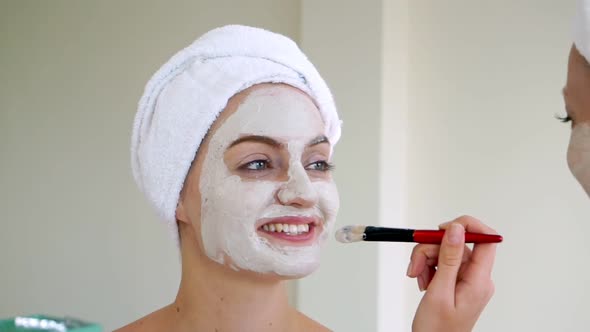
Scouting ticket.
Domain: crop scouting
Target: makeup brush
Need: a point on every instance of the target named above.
(350, 234)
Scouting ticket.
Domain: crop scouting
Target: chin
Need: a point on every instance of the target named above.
(296, 274)
(278, 269)
(270, 264)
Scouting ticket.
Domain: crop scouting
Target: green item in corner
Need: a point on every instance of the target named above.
(47, 324)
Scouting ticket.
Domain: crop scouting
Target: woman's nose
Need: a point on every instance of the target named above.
(298, 191)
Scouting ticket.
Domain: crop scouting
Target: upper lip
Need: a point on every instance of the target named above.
(291, 220)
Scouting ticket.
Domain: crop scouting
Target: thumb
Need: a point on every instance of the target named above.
(449, 259)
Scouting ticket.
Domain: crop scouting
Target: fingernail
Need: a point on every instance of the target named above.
(456, 233)
(421, 283)
(409, 269)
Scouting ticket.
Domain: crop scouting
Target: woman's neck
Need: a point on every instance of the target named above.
(213, 297)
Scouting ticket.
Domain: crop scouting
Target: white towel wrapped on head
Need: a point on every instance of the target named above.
(184, 97)
(582, 28)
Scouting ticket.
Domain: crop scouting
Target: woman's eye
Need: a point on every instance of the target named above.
(565, 119)
(256, 165)
(322, 166)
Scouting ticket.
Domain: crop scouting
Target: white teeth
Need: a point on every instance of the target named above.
(286, 228)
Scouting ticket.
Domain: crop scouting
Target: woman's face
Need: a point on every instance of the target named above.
(577, 101)
(266, 194)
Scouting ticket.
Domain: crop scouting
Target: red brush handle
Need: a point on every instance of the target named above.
(435, 237)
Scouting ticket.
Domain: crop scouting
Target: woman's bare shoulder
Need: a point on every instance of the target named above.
(156, 321)
(163, 320)
(311, 325)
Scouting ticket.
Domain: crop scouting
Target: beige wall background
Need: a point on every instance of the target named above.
(77, 237)
(448, 109)
(485, 84)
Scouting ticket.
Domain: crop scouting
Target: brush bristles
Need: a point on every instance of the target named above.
(350, 234)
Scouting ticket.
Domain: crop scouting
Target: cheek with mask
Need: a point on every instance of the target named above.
(247, 224)
(578, 154)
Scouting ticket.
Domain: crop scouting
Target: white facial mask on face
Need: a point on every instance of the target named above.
(578, 154)
(231, 207)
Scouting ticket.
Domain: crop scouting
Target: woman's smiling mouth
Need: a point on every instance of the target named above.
(293, 229)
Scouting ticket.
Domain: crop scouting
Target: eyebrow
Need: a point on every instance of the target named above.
(274, 143)
(257, 139)
(318, 140)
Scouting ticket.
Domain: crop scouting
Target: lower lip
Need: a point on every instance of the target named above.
(301, 239)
